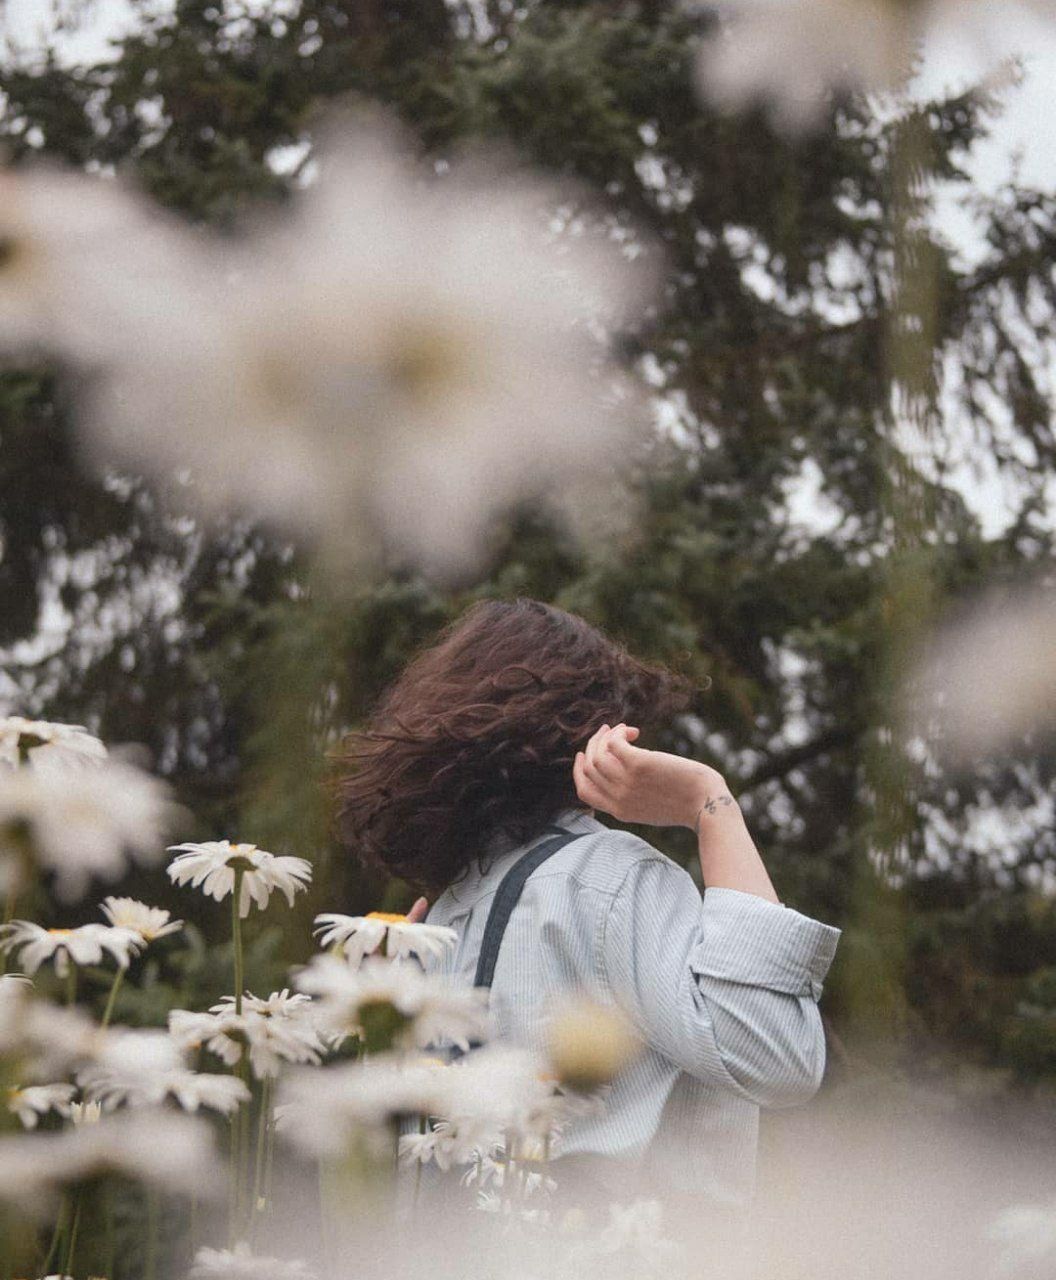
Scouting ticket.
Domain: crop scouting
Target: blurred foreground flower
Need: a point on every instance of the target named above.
(1026, 1236)
(323, 1112)
(172, 1152)
(240, 1263)
(988, 678)
(213, 866)
(393, 1006)
(791, 52)
(34, 1101)
(79, 822)
(25, 741)
(393, 364)
(589, 1044)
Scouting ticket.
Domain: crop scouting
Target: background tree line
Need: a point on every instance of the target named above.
(222, 652)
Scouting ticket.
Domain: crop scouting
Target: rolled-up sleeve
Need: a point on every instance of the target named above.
(726, 987)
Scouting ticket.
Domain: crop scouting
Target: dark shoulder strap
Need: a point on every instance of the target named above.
(507, 896)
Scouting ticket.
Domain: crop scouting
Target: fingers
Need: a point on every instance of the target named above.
(418, 912)
(619, 744)
(600, 764)
(587, 788)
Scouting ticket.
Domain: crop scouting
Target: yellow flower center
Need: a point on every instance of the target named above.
(60, 933)
(390, 917)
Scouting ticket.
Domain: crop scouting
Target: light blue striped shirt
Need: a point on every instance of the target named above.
(723, 991)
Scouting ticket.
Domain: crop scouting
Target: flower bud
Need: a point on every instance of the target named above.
(589, 1044)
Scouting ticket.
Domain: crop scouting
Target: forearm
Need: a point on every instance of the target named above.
(728, 856)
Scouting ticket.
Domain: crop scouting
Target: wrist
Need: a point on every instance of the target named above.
(712, 800)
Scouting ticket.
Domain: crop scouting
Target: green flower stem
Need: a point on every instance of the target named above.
(56, 1236)
(150, 1267)
(418, 1171)
(263, 1126)
(108, 1228)
(269, 1161)
(118, 977)
(232, 1190)
(236, 936)
(71, 1243)
(71, 985)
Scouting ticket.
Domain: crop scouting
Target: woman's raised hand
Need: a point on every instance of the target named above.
(418, 912)
(652, 787)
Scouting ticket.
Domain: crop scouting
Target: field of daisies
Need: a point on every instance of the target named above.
(273, 1133)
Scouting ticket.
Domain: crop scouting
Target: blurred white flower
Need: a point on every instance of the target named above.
(84, 945)
(240, 1263)
(130, 1050)
(211, 866)
(281, 1029)
(395, 937)
(416, 1009)
(321, 1112)
(588, 1044)
(190, 1090)
(502, 1092)
(1026, 1237)
(49, 1039)
(791, 52)
(172, 1152)
(636, 1229)
(397, 333)
(987, 678)
(85, 266)
(150, 923)
(79, 822)
(33, 1101)
(41, 739)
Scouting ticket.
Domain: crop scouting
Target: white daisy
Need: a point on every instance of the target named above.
(32, 741)
(211, 866)
(287, 1034)
(441, 1144)
(359, 936)
(490, 1170)
(85, 1113)
(33, 1101)
(393, 1005)
(280, 1004)
(150, 923)
(81, 822)
(190, 1090)
(84, 945)
(240, 1263)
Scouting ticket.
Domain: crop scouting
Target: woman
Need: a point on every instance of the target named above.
(523, 719)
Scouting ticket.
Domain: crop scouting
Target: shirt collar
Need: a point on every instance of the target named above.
(500, 854)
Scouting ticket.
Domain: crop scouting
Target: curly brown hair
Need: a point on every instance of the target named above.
(478, 735)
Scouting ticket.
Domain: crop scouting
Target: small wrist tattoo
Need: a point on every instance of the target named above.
(710, 806)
